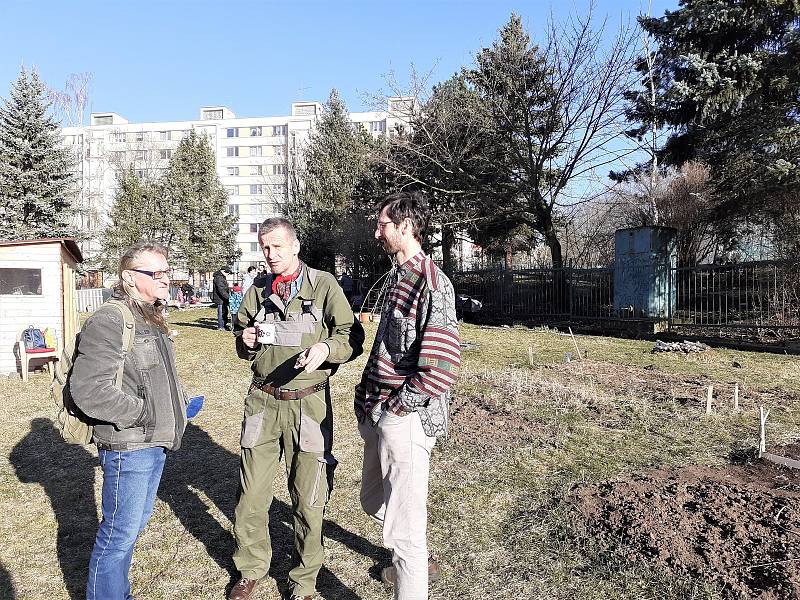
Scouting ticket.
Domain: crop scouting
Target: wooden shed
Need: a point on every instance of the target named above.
(37, 287)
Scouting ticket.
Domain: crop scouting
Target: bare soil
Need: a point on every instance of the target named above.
(738, 526)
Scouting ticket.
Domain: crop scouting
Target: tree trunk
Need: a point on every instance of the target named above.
(448, 260)
(551, 240)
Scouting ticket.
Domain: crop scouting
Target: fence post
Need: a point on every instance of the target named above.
(570, 286)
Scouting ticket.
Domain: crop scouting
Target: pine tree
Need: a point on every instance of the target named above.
(140, 212)
(205, 234)
(36, 177)
(728, 83)
(336, 165)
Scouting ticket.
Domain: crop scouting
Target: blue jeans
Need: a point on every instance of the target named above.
(222, 314)
(130, 483)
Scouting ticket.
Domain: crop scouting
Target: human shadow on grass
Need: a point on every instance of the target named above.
(66, 472)
(6, 585)
(204, 465)
(202, 323)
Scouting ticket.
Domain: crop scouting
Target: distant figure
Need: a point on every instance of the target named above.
(247, 281)
(138, 423)
(220, 295)
(402, 401)
(235, 302)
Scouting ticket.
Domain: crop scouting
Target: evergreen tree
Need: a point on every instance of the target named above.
(197, 204)
(728, 82)
(324, 205)
(36, 178)
(140, 212)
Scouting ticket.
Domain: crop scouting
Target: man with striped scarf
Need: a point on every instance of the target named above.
(403, 398)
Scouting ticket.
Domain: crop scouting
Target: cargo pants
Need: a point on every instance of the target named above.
(301, 431)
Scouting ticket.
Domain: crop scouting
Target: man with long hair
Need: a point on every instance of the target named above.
(135, 423)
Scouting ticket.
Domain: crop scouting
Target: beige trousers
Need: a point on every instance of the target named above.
(394, 491)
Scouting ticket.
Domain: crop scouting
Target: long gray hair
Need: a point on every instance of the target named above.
(152, 313)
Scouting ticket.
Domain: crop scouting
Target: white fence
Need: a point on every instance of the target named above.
(88, 300)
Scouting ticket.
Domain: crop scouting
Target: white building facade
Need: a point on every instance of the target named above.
(254, 156)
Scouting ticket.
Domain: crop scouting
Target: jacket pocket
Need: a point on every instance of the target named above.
(145, 353)
(251, 430)
(149, 426)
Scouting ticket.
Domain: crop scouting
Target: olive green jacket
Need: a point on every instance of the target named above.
(319, 312)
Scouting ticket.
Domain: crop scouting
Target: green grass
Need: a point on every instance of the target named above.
(536, 429)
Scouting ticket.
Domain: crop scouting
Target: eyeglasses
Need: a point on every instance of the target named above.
(382, 224)
(153, 274)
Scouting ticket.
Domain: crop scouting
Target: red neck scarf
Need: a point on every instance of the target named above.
(282, 284)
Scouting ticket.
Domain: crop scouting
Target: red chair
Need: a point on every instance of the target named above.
(28, 354)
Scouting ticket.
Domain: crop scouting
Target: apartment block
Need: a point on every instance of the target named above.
(254, 157)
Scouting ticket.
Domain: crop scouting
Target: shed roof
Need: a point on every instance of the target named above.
(69, 244)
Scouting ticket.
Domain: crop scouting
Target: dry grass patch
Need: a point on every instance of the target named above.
(522, 436)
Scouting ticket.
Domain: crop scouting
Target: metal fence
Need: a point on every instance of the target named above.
(537, 293)
(762, 294)
(706, 299)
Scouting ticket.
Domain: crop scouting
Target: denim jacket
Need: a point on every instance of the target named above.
(150, 409)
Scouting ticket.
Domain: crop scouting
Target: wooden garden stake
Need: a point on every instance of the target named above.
(709, 396)
(736, 397)
(577, 351)
(530, 355)
(762, 441)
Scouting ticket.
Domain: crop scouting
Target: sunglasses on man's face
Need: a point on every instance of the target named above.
(153, 274)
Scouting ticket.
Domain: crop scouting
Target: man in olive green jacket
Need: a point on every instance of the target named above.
(295, 327)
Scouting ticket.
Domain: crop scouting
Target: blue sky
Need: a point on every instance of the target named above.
(158, 61)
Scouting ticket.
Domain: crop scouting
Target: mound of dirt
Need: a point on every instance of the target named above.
(737, 525)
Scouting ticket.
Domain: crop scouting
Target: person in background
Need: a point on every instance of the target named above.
(247, 281)
(402, 401)
(135, 425)
(235, 301)
(220, 294)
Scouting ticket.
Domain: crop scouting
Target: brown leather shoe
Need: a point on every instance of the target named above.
(243, 589)
(389, 574)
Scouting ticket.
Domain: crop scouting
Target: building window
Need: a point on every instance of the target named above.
(256, 189)
(165, 154)
(256, 150)
(279, 129)
(140, 155)
(104, 120)
(141, 173)
(232, 151)
(377, 126)
(118, 136)
(233, 190)
(232, 132)
(279, 151)
(233, 209)
(233, 171)
(254, 247)
(279, 169)
(256, 170)
(163, 136)
(212, 115)
(254, 228)
(255, 132)
(21, 282)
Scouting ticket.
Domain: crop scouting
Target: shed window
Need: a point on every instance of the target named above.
(21, 282)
